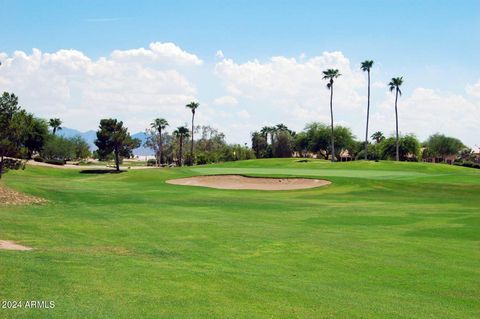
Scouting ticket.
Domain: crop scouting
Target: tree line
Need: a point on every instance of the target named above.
(211, 147)
(316, 141)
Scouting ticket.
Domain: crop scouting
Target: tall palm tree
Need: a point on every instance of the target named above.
(378, 137)
(159, 124)
(394, 85)
(181, 133)
(266, 131)
(192, 106)
(55, 124)
(330, 75)
(366, 66)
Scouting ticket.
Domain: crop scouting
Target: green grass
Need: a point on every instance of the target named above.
(384, 240)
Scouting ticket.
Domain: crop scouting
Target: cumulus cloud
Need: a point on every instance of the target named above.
(158, 52)
(139, 84)
(292, 91)
(427, 111)
(70, 85)
(474, 90)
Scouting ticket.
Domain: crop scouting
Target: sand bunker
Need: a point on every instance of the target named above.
(10, 245)
(11, 197)
(243, 182)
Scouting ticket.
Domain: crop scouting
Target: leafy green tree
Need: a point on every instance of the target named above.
(10, 127)
(366, 66)
(409, 148)
(301, 143)
(192, 106)
(159, 124)
(35, 133)
(259, 144)
(58, 148)
(81, 148)
(181, 133)
(113, 137)
(442, 146)
(55, 124)
(330, 75)
(394, 85)
(344, 140)
(283, 146)
(318, 136)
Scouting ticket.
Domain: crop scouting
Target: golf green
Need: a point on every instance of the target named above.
(384, 240)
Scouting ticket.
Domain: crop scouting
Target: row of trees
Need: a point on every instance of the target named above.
(23, 135)
(331, 74)
(317, 138)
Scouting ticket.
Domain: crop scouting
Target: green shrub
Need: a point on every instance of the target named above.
(55, 161)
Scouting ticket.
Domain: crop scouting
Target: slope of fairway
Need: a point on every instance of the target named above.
(384, 240)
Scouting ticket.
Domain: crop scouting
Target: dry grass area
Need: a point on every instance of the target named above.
(11, 197)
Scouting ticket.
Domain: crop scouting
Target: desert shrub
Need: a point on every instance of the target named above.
(151, 162)
(55, 161)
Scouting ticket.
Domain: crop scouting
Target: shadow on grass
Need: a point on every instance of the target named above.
(101, 171)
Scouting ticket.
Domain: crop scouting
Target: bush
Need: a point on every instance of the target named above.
(467, 164)
(39, 159)
(55, 162)
(151, 162)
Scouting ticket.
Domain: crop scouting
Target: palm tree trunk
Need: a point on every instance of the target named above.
(368, 114)
(181, 150)
(191, 147)
(397, 153)
(331, 118)
(54, 130)
(160, 145)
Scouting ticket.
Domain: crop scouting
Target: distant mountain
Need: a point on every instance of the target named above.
(142, 151)
(90, 136)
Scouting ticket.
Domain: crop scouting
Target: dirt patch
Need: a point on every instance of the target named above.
(11, 197)
(243, 182)
(10, 245)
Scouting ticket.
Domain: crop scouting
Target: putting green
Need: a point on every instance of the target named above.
(384, 240)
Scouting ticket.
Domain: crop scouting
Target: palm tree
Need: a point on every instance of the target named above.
(55, 124)
(181, 132)
(395, 84)
(378, 137)
(366, 66)
(329, 75)
(192, 106)
(159, 124)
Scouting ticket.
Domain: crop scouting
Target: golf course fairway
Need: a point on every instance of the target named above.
(383, 240)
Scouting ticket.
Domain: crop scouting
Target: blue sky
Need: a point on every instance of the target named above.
(433, 44)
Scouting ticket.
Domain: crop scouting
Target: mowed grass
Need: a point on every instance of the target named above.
(384, 240)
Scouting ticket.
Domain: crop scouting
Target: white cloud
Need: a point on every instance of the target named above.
(225, 100)
(428, 111)
(140, 84)
(219, 54)
(158, 52)
(243, 114)
(474, 90)
(290, 90)
(70, 85)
